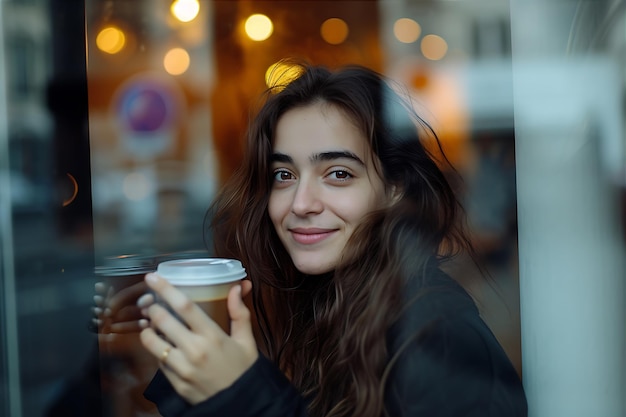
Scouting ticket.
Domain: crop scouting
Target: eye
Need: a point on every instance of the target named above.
(283, 176)
(340, 175)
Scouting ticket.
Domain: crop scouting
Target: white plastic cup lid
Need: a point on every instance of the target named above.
(201, 271)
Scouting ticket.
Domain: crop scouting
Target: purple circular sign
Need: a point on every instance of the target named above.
(145, 107)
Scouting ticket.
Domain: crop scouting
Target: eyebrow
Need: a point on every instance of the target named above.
(318, 157)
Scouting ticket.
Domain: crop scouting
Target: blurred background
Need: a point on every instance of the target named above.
(119, 120)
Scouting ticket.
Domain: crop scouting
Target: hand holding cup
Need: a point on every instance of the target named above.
(196, 354)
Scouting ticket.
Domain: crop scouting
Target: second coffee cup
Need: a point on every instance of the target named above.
(206, 281)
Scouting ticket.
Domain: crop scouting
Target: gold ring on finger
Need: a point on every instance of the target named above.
(165, 354)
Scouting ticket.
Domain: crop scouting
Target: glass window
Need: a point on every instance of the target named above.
(120, 119)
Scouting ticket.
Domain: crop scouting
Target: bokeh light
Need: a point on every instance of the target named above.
(137, 186)
(176, 61)
(407, 30)
(334, 31)
(259, 27)
(434, 47)
(111, 40)
(185, 10)
(280, 74)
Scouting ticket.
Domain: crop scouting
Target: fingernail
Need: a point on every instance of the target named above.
(97, 311)
(107, 312)
(152, 277)
(98, 299)
(145, 300)
(144, 324)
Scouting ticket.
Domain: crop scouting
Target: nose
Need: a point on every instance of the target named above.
(307, 199)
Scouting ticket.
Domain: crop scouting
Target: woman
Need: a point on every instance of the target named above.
(342, 218)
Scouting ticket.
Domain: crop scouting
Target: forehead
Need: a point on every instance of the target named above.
(319, 126)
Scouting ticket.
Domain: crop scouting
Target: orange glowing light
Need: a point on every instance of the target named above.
(334, 31)
(110, 40)
(406, 30)
(434, 47)
(74, 193)
(259, 27)
(185, 10)
(176, 61)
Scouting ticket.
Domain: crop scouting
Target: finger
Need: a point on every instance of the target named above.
(100, 310)
(126, 327)
(145, 300)
(169, 326)
(246, 287)
(127, 296)
(172, 360)
(128, 313)
(240, 326)
(187, 310)
(159, 348)
(99, 301)
(101, 288)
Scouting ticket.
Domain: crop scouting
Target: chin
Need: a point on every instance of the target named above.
(314, 268)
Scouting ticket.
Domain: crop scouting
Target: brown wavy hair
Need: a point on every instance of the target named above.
(328, 334)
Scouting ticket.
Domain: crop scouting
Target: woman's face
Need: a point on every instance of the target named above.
(324, 183)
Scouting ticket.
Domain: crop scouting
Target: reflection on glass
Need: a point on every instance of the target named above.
(132, 166)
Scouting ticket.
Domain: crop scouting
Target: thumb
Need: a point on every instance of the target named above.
(240, 326)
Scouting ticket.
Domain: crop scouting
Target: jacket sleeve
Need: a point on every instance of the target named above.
(262, 391)
(454, 367)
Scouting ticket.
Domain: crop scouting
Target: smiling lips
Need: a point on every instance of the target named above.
(311, 235)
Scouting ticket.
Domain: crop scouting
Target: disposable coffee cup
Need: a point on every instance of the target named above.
(126, 368)
(123, 277)
(123, 271)
(206, 281)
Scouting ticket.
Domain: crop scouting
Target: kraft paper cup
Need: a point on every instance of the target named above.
(206, 281)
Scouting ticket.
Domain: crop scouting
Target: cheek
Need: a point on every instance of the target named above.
(274, 210)
(364, 205)
(354, 209)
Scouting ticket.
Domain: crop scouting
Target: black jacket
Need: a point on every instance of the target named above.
(449, 365)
